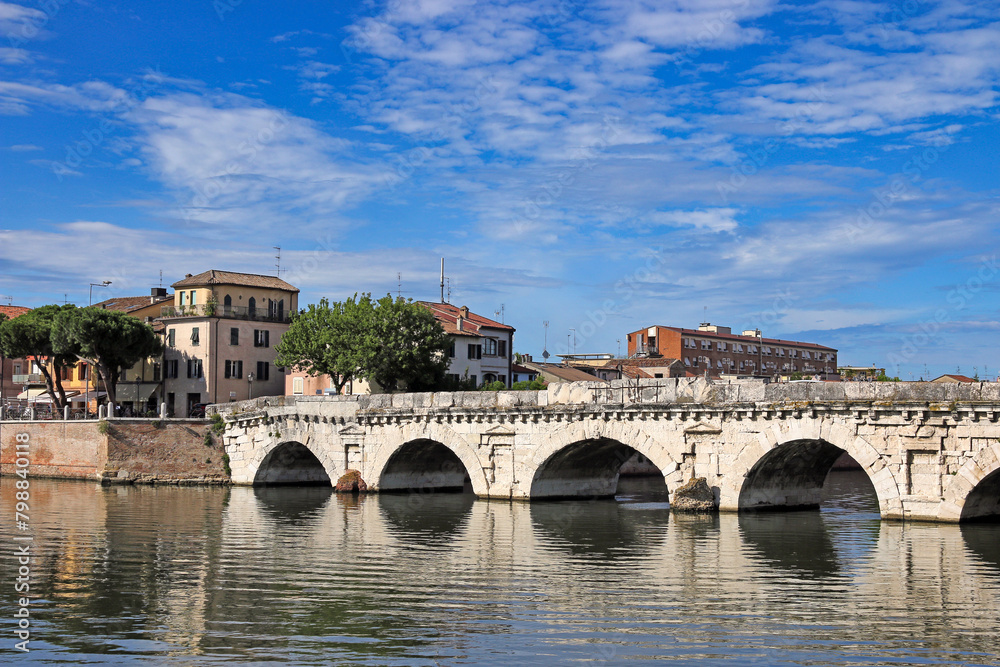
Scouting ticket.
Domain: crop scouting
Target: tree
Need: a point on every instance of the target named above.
(108, 340)
(323, 340)
(389, 342)
(30, 335)
(405, 346)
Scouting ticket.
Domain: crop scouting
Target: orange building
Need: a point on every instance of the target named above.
(717, 350)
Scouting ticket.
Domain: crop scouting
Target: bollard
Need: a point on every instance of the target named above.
(163, 410)
(31, 413)
(65, 413)
(100, 412)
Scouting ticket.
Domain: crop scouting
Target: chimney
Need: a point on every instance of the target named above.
(464, 310)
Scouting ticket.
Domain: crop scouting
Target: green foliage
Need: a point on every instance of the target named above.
(218, 424)
(392, 343)
(156, 423)
(108, 339)
(209, 442)
(103, 427)
(493, 386)
(225, 465)
(31, 335)
(795, 376)
(882, 377)
(526, 385)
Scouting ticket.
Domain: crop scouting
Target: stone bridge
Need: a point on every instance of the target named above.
(931, 451)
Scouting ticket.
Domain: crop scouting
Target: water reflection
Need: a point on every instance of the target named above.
(430, 518)
(197, 576)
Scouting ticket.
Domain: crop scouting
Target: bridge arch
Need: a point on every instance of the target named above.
(290, 462)
(788, 465)
(584, 459)
(974, 492)
(427, 456)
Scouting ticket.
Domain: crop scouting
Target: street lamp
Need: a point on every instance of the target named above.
(93, 285)
(250, 379)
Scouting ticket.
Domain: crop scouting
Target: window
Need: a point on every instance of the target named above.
(706, 345)
(490, 346)
(475, 351)
(170, 369)
(720, 346)
(182, 297)
(252, 307)
(156, 372)
(194, 298)
(170, 337)
(263, 370)
(451, 350)
(234, 336)
(194, 369)
(298, 385)
(502, 348)
(739, 348)
(718, 364)
(687, 361)
(657, 375)
(234, 369)
(195, 339)
(261, 338)
(502, 378)
(227, 303)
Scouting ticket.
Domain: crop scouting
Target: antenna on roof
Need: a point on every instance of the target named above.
(161, 277)
(448, 280)
(277, 260)
(10, 299)
(499, 313)
(399, 285)
(442, 280)
(545, 345)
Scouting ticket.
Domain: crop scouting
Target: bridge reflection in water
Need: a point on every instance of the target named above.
(305, 575)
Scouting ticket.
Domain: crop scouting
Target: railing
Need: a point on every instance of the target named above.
(30, 378)
(232, 312)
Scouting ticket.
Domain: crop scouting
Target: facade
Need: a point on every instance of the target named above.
(560, 372)
(481, 349)
(140, 387)
(953, 378)
(10, 386)
(715, 350)
(220, 333)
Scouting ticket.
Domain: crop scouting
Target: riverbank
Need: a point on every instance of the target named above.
(119, 451)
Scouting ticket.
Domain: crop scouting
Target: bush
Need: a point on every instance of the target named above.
(525, 385)
(493, 386)
(103, 427)
(218, 424)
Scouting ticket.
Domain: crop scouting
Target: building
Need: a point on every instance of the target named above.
(481, 351)
(10, 386)
(220, 332)
(953, 378)
(560, 372)
(607, 367)
(481, 348)
(140, 388)
(860, 373)
(716, 350)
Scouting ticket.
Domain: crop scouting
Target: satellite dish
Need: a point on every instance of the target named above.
(545, 354)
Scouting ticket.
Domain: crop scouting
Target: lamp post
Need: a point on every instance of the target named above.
(250, 379)
(92, 286)
(136, 410)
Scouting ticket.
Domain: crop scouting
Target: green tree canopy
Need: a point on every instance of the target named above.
(109, 340)
(392, 343)
(30, 335)
(322, 340)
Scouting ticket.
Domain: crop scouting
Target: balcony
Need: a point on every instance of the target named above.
(230, 312)
(32, 378)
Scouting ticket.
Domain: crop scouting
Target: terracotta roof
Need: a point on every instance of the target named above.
(127, 304)
(13, 311)
(742, 339)
(633, 372)
(564, 373)
(214, 277)
(954, 378)
(518, 368)
(472, 324)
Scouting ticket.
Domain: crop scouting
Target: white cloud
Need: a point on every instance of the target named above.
(712, 220)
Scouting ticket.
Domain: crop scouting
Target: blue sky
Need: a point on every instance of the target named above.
(825, 171)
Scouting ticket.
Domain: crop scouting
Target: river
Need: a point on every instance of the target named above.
(200, 576)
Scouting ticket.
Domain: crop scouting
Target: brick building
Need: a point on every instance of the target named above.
(717, 351)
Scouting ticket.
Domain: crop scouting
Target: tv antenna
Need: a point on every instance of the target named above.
(399, 284)
(545, 345)
(10, 299)
(161, 277)
(277, 260)
(499, 313)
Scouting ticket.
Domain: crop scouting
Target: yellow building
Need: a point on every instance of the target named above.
(220, 335)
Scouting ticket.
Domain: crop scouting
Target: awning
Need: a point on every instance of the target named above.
(125, 392)
(80, 398)
(32, 393)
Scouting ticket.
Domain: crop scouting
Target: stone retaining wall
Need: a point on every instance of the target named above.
(171, 451)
